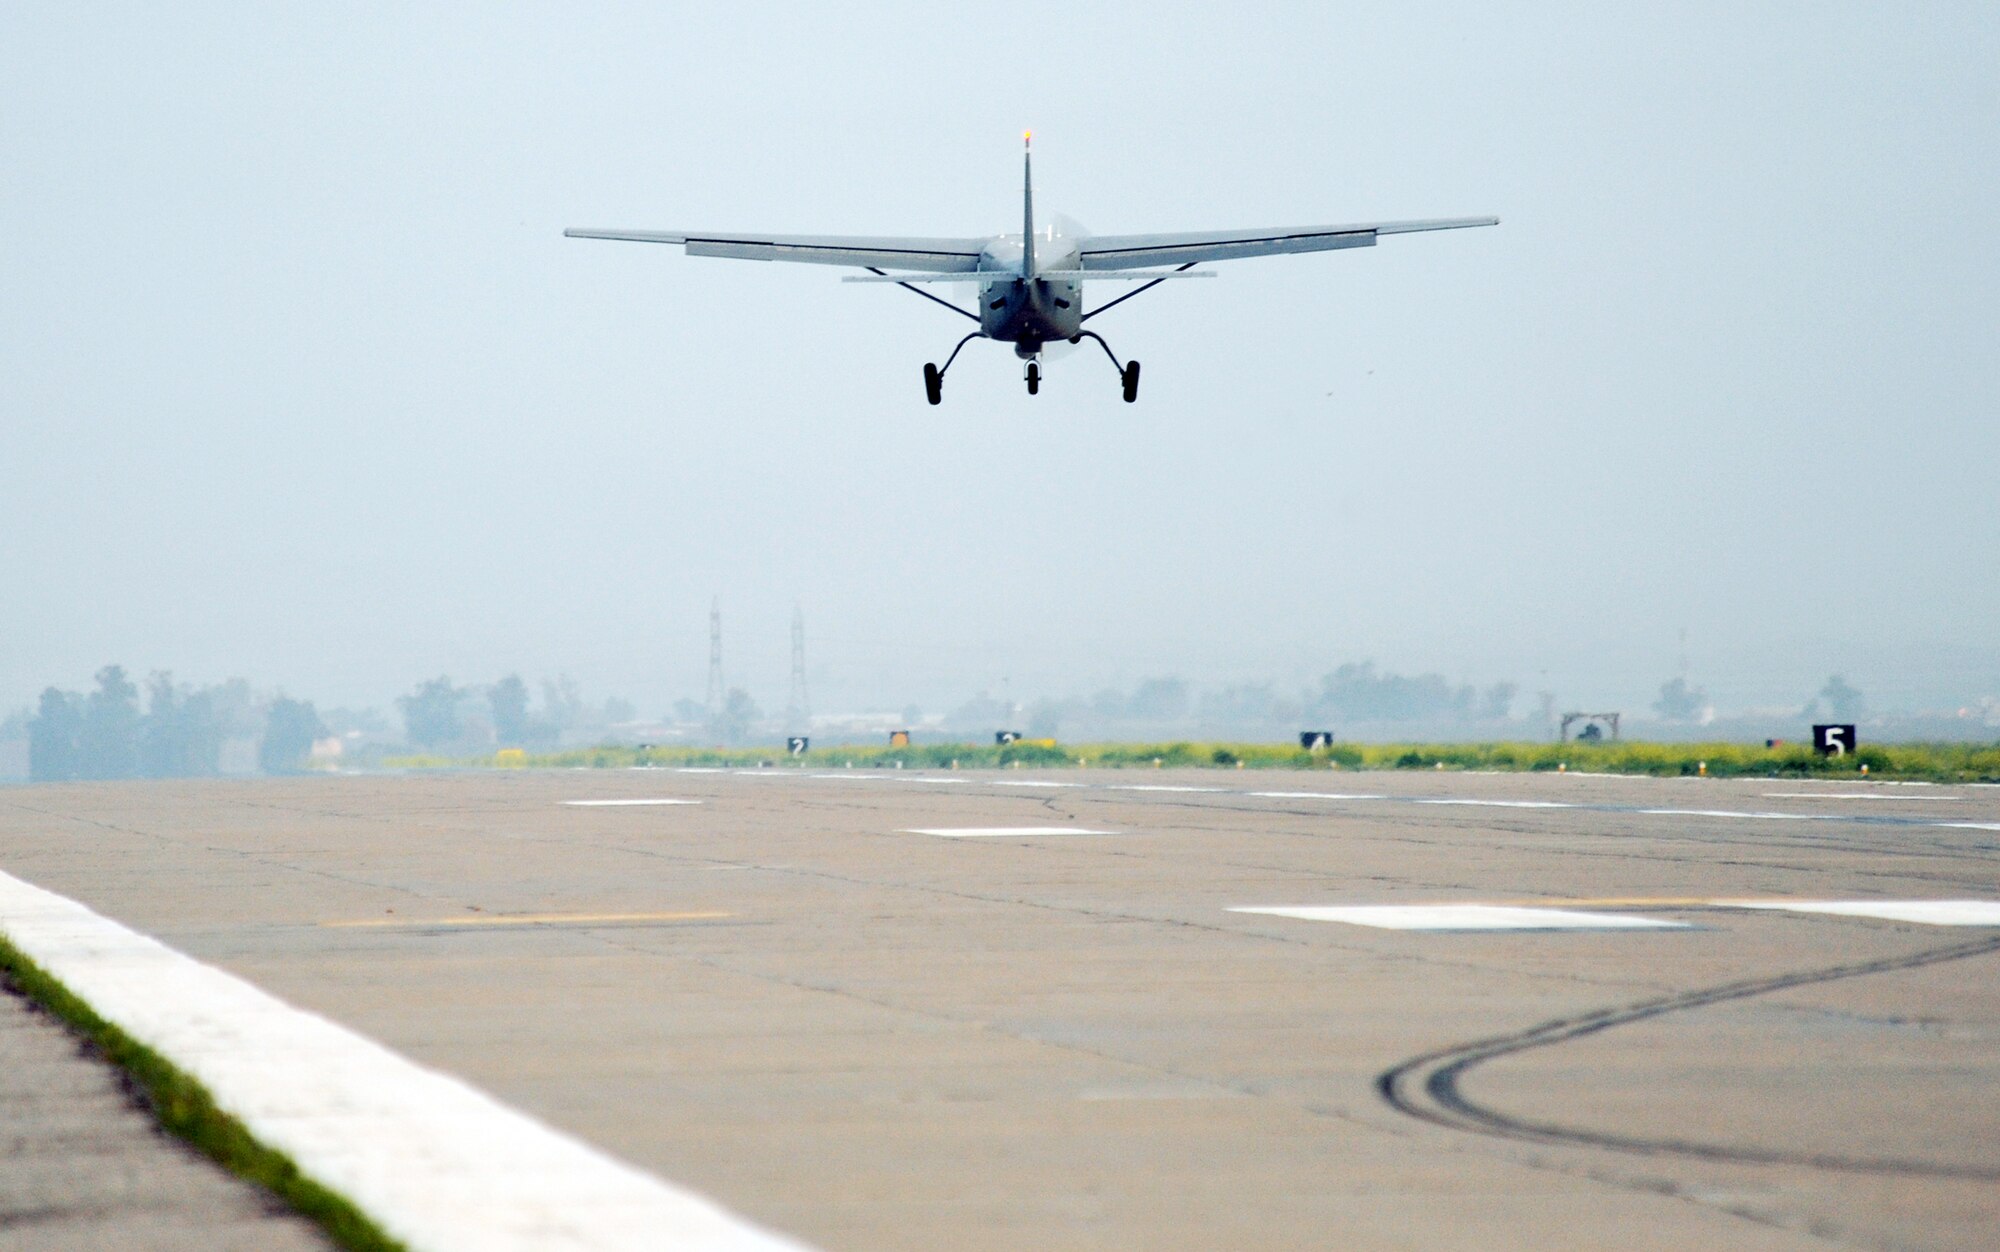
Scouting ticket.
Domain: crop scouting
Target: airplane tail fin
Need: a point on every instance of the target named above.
(1027, 205)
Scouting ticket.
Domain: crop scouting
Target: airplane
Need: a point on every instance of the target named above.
(1031, 284)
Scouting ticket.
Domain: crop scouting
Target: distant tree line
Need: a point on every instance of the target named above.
(1356, 693)
(104, 733)
(1353, 693)
(441, 715)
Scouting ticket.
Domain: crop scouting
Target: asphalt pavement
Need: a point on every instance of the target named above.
(893, 1009)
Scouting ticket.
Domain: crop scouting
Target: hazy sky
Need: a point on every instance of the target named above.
(301, 382)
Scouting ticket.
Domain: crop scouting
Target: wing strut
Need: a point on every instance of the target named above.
(1122, 299)
(946, 303)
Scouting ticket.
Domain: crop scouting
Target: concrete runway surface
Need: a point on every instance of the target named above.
(784, 997)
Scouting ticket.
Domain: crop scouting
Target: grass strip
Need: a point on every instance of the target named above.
(186, 1109)
(1931, 762)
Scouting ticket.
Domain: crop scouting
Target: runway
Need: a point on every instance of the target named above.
(1161, 1009)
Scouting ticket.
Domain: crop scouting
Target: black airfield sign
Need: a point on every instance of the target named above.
(1834, 739)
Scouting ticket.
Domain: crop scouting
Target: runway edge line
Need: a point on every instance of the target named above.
(435, 1162)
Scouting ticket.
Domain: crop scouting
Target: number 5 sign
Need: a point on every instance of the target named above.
(1834, 740)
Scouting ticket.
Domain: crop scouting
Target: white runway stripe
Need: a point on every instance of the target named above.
(1853, 795)
(1312, 795)
(999, 832)
(1501, 804)
(1465, 917)
(1034, 782)
(622, 804)
(1155, 787)
(436, 1162)
(1922, 912)
(1769, 817)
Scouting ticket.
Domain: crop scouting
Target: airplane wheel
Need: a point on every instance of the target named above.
(933, 383)
(1034, 378)
(1131, 380)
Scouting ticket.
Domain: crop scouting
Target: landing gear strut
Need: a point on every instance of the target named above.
(934, 375)
(1128, 371)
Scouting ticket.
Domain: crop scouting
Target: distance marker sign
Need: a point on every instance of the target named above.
(1834, 739)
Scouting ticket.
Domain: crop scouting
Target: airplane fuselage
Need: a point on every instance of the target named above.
(1030, 311)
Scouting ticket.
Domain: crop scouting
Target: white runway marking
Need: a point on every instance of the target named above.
(1465, 917)
(1772, 817)
(1312, 795)
(999, 832)
(436, 1162)
(621, 804)
(1922, 912)
(1849, 795)
(1146, 787)
(1967, 825)
(1029, 782)
(1503, 804)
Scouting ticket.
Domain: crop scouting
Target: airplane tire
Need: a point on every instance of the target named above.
(1131, 380)
(1034, 378)
(933, 384)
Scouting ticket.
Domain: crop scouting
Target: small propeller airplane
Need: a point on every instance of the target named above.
(1031, 284)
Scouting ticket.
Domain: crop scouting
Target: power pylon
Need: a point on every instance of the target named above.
(717, 693)
(798, 709)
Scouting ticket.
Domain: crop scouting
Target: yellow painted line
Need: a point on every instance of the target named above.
(528, 919)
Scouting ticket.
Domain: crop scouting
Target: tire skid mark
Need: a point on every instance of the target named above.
(1426, 1087)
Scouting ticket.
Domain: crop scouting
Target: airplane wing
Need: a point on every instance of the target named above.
(1120, 252)
(883, 252)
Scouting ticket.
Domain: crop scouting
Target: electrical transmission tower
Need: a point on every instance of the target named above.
(717, 694)
(798, 709)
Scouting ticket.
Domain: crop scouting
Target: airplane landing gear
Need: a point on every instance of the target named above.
(934, 374)
(1128, 371)
(1034, 374)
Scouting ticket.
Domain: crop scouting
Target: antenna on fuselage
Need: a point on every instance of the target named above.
(1027, 204)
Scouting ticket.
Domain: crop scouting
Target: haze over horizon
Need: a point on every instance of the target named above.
(302, 382)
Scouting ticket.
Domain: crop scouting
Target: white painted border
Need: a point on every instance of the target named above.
(1918, 912)
(434, 1161)
(1464, 917)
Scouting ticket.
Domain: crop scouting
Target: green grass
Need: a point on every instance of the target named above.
(1935, 762)
(185, 1108)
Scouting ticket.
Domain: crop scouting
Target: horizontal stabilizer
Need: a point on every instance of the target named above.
(1122, 276)
(963, 276)
(1067, 276)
